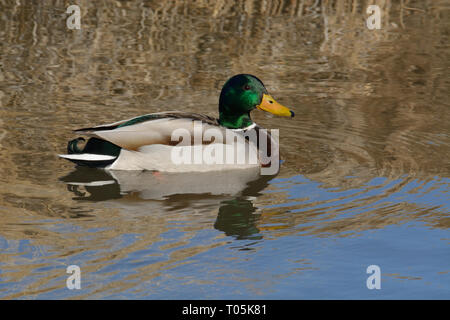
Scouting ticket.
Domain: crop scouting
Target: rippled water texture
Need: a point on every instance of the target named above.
(365, 174)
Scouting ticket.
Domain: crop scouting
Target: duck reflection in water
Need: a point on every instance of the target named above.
(233, 192)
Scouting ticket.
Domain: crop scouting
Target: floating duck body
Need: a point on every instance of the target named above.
(177, 141)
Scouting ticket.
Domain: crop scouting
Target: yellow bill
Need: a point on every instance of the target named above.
(270, 105)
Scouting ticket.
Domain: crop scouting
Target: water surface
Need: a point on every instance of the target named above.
(365, 173)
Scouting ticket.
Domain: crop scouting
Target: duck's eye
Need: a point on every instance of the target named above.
(246, 87)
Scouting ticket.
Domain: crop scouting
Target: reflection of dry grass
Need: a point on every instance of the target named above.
(117, 58)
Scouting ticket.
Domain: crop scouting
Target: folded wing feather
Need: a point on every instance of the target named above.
(156, 128)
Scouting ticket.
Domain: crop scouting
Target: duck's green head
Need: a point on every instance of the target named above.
(241, 94)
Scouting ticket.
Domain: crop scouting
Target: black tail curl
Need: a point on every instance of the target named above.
(72, 146)
(93, 146)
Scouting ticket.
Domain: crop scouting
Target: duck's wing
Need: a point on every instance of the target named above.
(154, 128)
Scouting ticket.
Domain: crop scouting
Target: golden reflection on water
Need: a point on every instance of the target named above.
(369, 104)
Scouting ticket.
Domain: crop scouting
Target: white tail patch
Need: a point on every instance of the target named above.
(93, 183)
(87, 157)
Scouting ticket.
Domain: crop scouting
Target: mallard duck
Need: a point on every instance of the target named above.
(147, 142)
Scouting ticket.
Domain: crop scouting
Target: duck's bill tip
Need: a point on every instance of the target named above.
(269, 104)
